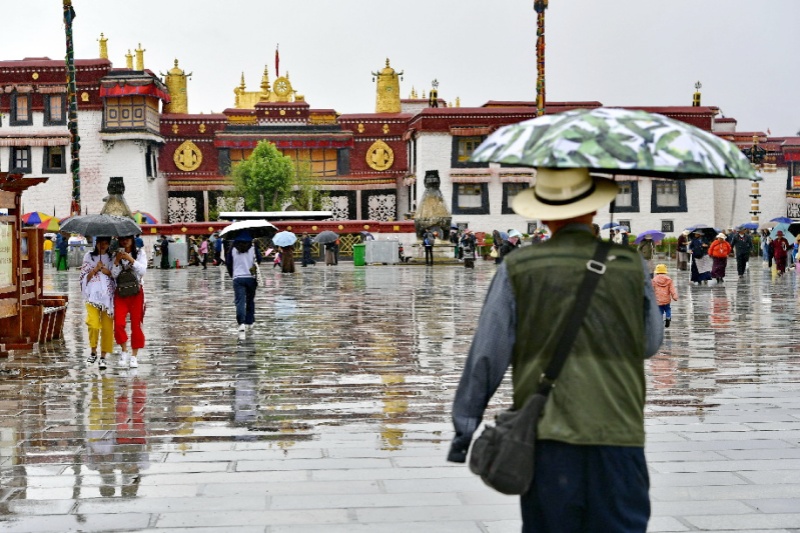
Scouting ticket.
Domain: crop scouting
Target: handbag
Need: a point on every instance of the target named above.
(494, 253)
(503, 455)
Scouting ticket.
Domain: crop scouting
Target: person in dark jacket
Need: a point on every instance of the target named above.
(62, 247)
(164, 249)
(307, 244)
(590, 466)
(742, 247)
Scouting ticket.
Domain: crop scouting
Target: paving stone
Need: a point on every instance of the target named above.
(334, 414)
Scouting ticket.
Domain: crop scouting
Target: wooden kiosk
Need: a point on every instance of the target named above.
(27, 316)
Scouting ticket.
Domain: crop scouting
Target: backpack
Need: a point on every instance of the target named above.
(127, 283)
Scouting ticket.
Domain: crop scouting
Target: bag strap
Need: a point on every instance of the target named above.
(595, 268)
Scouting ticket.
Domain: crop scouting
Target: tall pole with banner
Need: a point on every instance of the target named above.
(539, 6)
(72, 99)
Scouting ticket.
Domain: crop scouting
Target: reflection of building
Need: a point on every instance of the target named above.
(175, 163)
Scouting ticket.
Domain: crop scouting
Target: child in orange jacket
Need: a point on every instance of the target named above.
(665, 292)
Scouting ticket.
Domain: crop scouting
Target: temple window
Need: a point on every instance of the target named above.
(21, 109)
(462, 150)
(510, 190)
(668, 196)
(321, 162)
(54, 110)
(627, 199)
(20, 160)
(131, 112)
(54, 160)
(238, 155)
(470, 199)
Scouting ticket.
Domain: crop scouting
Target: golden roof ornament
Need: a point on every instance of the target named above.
(140, 57)
(387, 91)
(103, 46)
(175, 80)
(129, 60)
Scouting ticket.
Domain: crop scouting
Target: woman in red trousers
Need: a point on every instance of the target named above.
(128, 257)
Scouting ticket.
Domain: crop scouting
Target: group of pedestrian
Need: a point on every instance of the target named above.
(111, 284)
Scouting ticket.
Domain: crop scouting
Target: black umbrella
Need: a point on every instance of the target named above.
(101, 226)
(325, 237)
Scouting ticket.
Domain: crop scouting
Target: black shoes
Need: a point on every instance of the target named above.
(666, 322)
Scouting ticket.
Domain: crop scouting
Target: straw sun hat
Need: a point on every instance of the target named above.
(564, 193)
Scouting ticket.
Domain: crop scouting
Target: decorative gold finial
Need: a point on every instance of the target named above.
(103, 47)
(242, 86)
(458, 101)
(387, 98)
(413, 95)
(129, 60)
(140, 57)
(696, 95)
(265, 89)
(176, 83)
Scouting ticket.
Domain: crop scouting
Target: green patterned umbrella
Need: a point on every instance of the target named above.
(616, 141)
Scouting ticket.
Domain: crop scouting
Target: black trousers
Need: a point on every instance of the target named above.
(429, 254)
(741, 263)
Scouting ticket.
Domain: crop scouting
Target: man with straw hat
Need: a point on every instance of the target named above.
(590, 468)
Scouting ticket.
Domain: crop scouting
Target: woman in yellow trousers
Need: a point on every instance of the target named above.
(98, 288)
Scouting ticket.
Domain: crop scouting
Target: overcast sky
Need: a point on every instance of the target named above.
(620, 52)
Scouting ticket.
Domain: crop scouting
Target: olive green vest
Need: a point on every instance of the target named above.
(599, 396)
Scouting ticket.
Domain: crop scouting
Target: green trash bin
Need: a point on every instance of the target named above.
(359, 254)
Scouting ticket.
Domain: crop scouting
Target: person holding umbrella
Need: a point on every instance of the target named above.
(62, 247)
(719, 251)
(780, 251)
(242, 268)
(129, 259)
(98, 288)
(648, 250)
(701, 263)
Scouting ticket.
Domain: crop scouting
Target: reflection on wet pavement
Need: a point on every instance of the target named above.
(333, 414)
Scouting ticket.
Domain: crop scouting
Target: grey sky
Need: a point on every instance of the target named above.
(620, 52)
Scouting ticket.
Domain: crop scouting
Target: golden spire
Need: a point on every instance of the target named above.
(242, 86)
(458, 101)
(387, 98)
(696, 95)
(175, 81)
(140, 57)
(265, 87)
(413, 95)
(103, 46)
(129, 60)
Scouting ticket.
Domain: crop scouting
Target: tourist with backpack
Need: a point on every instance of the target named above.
(130, 265)
(241, 263)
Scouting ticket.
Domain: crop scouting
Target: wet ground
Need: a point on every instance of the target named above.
(333, 414)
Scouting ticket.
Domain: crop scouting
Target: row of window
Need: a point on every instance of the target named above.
(666, 196)
(55, 112)
(473, 198)
(54, 161)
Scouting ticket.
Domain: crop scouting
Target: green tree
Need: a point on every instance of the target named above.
(306, 196)
(266, 179)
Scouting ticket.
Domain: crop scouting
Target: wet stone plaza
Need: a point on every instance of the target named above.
(332, 415)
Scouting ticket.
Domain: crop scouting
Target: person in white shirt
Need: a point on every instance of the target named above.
(242, 268)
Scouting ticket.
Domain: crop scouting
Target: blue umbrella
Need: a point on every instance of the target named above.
(284, 238)
(610, 225)
(782, 220)
(784, 227)
(504, 235)
(749, 225)
(654, 233)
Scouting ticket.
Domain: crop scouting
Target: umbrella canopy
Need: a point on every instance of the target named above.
(101, 226)
(140, 217)
(654, 233)
(284, 238)
(49, 225)
(784, 227)
(698, 227)
(616, 141)
(514, 233)
(35, 217)
(749, 225)
(610, 225)
(256, 228)
(367, 236)
(782, 220)
(326, 236)
(767, 225)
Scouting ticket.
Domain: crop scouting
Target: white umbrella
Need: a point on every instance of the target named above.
(256, 228)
